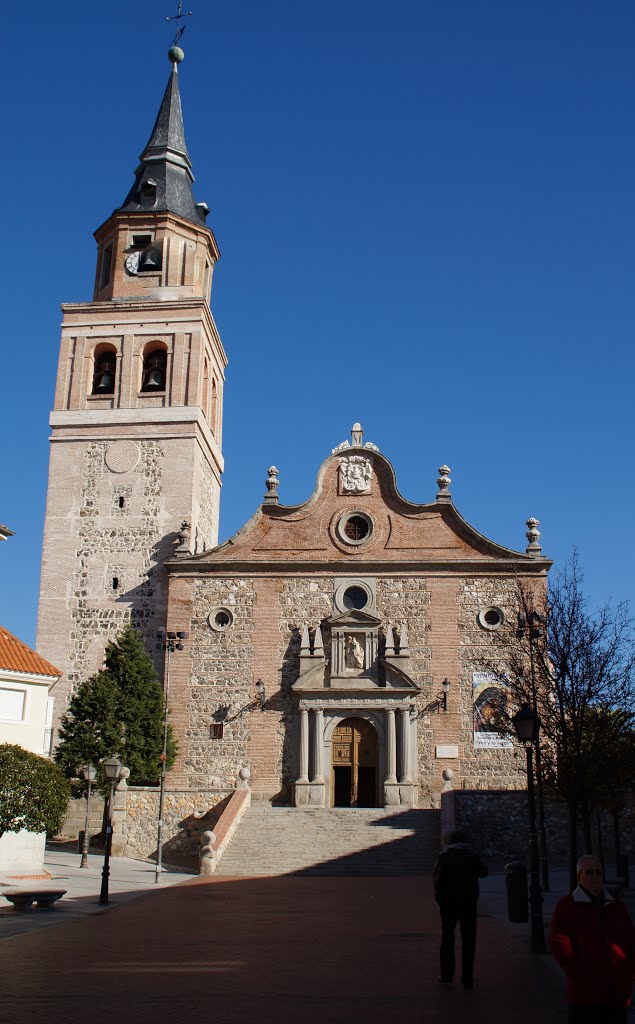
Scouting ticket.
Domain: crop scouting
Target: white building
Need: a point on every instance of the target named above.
(25, 706)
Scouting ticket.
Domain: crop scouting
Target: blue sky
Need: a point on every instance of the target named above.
(425, 214)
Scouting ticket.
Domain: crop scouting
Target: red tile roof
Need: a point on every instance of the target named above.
(17, 657)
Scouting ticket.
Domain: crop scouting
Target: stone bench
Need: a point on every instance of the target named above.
(23, 899)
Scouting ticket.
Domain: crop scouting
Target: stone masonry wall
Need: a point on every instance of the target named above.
(181, 828)
(109, 526)
(498, 826)
(493, 768)
(206, 501)
(446, 640)
(221, 682)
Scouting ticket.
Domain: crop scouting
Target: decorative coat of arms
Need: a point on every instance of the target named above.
(355, 474)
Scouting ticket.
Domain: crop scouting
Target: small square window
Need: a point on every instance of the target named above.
(12, 705)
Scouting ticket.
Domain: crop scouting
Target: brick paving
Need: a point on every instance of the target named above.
(282, 949)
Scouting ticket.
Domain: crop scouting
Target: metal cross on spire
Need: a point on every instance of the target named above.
(180, 29)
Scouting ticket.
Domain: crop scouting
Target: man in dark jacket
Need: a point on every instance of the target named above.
(455, 875)
(593, 940)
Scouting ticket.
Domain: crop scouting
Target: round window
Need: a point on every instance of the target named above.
(220, 619)
(355, 528)
(491, 618)
(355, 597)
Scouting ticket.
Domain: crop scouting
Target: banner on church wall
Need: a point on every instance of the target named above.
(489, 696)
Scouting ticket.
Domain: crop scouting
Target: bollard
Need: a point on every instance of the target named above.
(517, 898)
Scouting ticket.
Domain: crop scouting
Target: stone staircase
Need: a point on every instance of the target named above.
(338, 841)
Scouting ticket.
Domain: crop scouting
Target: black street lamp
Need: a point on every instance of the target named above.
(533, 622)
(527, 726)
(170, 642)
(90, 773)
(112, 770)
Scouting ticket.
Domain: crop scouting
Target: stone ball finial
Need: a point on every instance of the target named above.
(207, 853)
(175, 54)
(533, 536)
(244, 775)
(448, 774)
(443, 482)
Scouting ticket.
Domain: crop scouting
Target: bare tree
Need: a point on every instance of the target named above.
(576, 665)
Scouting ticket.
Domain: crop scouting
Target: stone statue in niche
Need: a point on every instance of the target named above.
(354, 653)
(355, 474)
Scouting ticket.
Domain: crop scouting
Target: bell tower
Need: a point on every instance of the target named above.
(136, 428)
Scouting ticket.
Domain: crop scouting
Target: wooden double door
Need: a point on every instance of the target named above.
(355, 764)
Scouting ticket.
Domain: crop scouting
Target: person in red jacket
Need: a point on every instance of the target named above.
(593, 940)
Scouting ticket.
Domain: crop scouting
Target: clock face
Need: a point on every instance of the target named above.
(132, 262)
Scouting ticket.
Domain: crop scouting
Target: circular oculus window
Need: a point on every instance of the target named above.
(355, 528)
(355, 598)
(220, 619)
(491, 618)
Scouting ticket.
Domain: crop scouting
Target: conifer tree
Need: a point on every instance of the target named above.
(119, 710)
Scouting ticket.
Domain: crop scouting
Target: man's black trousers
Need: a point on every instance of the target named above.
(465, 916)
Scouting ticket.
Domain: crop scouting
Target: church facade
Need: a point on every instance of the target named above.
(334, 648)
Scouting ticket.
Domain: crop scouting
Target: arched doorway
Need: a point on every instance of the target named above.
(354, 762)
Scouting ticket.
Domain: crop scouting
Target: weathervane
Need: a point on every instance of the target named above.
(180, 29)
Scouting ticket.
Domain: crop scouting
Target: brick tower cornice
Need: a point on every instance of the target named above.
(145, 316)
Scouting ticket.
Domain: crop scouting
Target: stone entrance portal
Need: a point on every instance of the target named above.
(354, 764)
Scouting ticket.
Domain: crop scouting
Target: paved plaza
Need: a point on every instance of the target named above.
(259, 950)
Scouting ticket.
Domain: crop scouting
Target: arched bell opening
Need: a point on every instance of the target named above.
(355, 764)
(154, 369)
(104, 370)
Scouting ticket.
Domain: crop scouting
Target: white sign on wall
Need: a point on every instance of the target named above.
(447, 750)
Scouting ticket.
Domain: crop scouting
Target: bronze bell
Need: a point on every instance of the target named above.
(105, 376)
(155, 373)
(148, 260)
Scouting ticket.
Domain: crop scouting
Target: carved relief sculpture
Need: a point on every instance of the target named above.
(354, 657)
(355, 474)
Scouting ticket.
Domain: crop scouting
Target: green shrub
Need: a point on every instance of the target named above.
(33, 791)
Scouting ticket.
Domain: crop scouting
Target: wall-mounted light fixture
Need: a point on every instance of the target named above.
(262, 693)
(259, 702)
(440, 702)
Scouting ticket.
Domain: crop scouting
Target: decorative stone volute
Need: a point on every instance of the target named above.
(443, 481)
(272, 482)
(533, 536)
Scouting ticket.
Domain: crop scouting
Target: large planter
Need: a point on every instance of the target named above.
(22, 853)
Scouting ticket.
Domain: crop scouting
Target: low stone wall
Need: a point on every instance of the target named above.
(135, 817)
(75, 820)
(186, 814)
(497, 821)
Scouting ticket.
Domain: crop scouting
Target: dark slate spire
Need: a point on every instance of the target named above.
(164, 176)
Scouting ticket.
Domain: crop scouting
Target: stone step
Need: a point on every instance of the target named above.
(373, 841)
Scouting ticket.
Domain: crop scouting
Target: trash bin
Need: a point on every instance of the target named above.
(517, 898)
(80, 841)
(622, 868)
